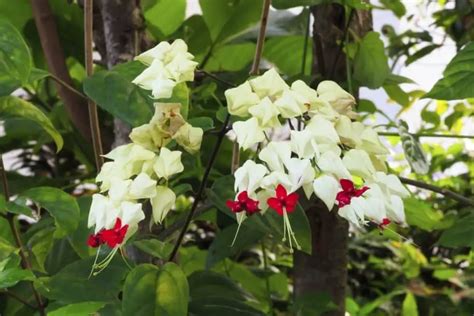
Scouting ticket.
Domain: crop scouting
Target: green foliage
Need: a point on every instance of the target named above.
(79, 309)
(458, 77)
(150, 290)
(460, 234)
(163, 17)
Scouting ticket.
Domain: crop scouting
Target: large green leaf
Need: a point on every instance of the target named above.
(73, 285)
(286, 52)
(370, 62)
(458, 77)
(6, 248)
(79, 236)
(60, 205)
(409, 307)
(78, 309)
(149, 290)
(10, 277)
(15, 58)
(154, 247)
(421, 214)
(286, 4)
(40, 244)
(163, 17)
(212, 306)
(226, 19)
(232, 57)
(460, 234)
(114, 91)
(11, 106)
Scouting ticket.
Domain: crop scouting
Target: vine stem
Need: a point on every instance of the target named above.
(67, 86)
(93, 115)
(265, 270)
(16, 235)
(198, 196)
(19, 299)
(448, 193)
(305, 43)
(428, 135)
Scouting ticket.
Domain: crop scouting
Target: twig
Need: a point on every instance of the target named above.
(198, 196)
(16, 235)
(19, 299)
(216, 78)
(93, 115)
(305, 44)
(342, 43)
(67, 86)
(265, 270)
(448, 193)
(261, 38)
(428, 135)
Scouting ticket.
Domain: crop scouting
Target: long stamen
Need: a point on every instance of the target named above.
(95, 262)
(236, 234)
(291, 234)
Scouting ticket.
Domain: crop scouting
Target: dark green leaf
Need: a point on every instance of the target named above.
(232, 57)
(397, 94)
(40, 244)
(370, 62)
(149, 290)
(212, 306)
(204, 122)
(460, 234)
(114, 91)
(79, 237)
(60, 205)
(18, 206)
(286, 53)
(396, 79)
(421, 53)
(154, 247)
(396, 6)
(313, 304)
(6, 248)
(286, 4)
(11, 106)
(78, 309)
(15, 59)
(10, 277)
(366, 106)
(458, 77)
(203, 284)
(163, 17)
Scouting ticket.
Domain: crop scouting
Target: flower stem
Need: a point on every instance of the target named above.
(434, 135)
(16, 235)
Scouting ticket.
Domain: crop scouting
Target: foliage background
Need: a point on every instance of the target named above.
(427, 272)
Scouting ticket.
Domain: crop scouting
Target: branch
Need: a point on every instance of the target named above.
(170, 230)
(67, 86)
(448, 193)
(261, 38)
(305, 44)
(215, 78)
(54, 55)
(93, 115)
(428, 135)
(202, 186)
(16, 235)
(19, 299)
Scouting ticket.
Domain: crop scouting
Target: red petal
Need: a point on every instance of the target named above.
(343, 198)
(291, 201)
(385, 222)
(234, 206)
(243, 196)
(275, 204)
(93, 241)
(109, 237)
(121, 234)
(281, 192)
(347, 185)
(118, 224)
(252, 206)
(359, 192)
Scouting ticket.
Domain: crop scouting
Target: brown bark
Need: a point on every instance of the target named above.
(325, 270)
(76, 107)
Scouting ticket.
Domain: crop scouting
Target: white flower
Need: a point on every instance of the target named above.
(249, 176)
(275, 154)
(240, 99)
(168, 163)
(181, 68)
(156, 78)
(330, 163)
(162, 203)
(248, 132)
(275, 178)
(376, 204)
(289, 105)
(301, 174)
(303, 144)
(348, 131)
(266, 113)
(371, 142)
(131, 214)
(310, 95)
(355, 211)
(158, 52)
(358, 163)
(270, 84)
(189, 138)
(396, 210)
(111, 171)
(148, 136)
(326, 188)
(323, 130)
(119, 190)
(142, 187)
(339, 99)
(390, 184)
(101, 212)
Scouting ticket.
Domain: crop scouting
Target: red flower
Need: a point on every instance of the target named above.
(112, 237)
(385, 222)
(348, 192)
(243, 204)
(283, 201)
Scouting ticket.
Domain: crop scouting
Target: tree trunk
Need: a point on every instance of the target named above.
(325, 270)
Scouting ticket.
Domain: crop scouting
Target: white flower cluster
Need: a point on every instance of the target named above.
(168, 65)
(140, 170)
(326, 156)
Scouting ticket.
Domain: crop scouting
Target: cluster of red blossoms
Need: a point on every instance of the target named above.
(348, 192)
(112, 237)
(280, 203)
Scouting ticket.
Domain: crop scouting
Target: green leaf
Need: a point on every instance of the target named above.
(221, 245)
(460, 234)
(163, 17)
(232, 57)
(286, 4)
(397, 94)
(15, 58)
(149, 290)
(79, 236)
(204, 122)
(396, 6)
(11, 106)
(114, 92)
(79, 309)
(212, 306)
(154, 247)
(6, 248)
(286, 52)
(18, 206)
(421, 214)
(396, 79)
(458, 77)
(409, 307)
(365, 105)
(73, 285)
(3, 204)
(60, 205)
(313, 304)
(11, 277)
(40, 244)
(370, 62)
(227, 19)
